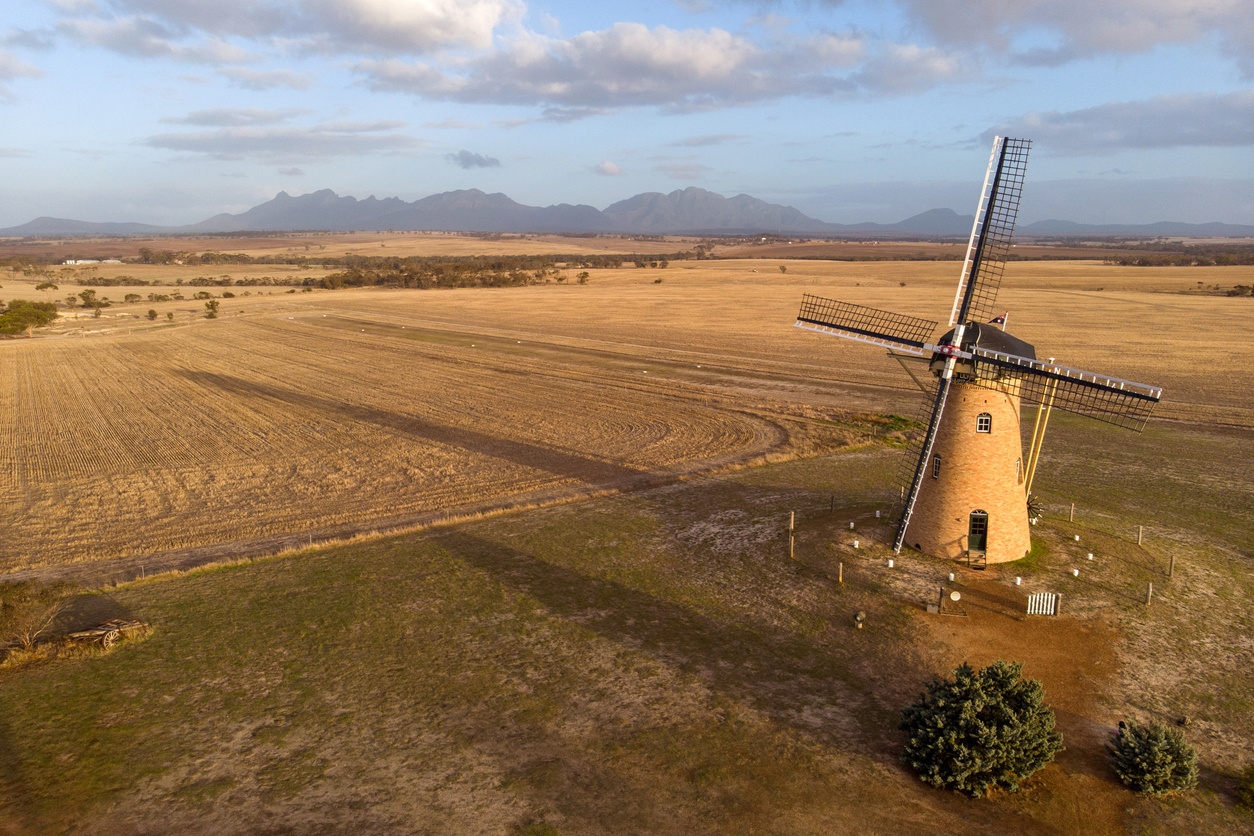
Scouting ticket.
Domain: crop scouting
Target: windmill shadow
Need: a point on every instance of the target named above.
(563, 463)
(790, 678)
(16, 790)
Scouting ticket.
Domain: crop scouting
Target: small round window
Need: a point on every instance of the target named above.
(984, 423)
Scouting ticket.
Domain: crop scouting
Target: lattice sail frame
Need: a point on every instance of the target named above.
(1122, 403)
(992, 231)
(864, 324)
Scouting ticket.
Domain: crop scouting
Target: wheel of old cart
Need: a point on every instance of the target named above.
(111, 638)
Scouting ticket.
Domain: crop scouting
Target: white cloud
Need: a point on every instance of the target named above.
(469, 159)
(608, 169)
(907, 68)
(11, 68)
(1173, 121)
(148, 38)
(1087, 28)
(267, 79)
(233, 117)
(629, 64)
(288, 144)
(150, 27)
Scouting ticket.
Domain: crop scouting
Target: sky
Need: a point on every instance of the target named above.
(171, 111)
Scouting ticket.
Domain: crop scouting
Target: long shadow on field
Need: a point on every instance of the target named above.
(559, 462)
(798, 682)
(15, 788)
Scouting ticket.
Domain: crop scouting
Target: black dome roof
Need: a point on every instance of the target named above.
(989, 336)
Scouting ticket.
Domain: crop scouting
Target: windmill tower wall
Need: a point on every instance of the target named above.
(978, 471)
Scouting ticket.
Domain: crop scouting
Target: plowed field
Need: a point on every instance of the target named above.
(319, 415)
(276, 426)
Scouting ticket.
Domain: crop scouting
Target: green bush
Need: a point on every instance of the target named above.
(20, 315)
(1153, 759)
(980, 730)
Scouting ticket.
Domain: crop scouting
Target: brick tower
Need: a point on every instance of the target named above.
(972, 494)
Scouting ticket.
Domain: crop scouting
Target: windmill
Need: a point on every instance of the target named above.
(965, 495)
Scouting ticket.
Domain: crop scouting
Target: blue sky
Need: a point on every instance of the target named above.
(169, 111)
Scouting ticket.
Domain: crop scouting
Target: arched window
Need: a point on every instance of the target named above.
(984, 423)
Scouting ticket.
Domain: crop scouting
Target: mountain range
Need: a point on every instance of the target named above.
(686, 211)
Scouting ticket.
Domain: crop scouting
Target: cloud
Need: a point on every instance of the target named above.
(1172, 121)
(11, 68)
(288, 143)
(267, 79)
(629, 64)
(150, 27)
(13, 153)
(234, 117)
(467, 159)
(907, 68)
(291, 172)
(42, 39)
(148, 38)
(1083, 28)
(608, 169)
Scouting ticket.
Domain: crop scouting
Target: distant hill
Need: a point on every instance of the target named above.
(684, 211)
(61, 226)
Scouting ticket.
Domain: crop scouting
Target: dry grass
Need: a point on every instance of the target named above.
(315, 415)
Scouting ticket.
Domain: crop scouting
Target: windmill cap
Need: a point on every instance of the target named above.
(980, 335)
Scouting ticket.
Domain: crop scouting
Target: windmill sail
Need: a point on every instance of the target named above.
(869, 325)
(990, 235)
(977, 287)
(920, 465)
(1109, 399)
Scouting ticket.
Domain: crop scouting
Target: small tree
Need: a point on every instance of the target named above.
(1153, 759)
(783, 268)
(169, 315)
(211, 309)
(980, 730)
(152, 314)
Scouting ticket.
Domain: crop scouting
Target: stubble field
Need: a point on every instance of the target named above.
(316, 415)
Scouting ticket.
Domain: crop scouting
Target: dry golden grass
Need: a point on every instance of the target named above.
(322, 414)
